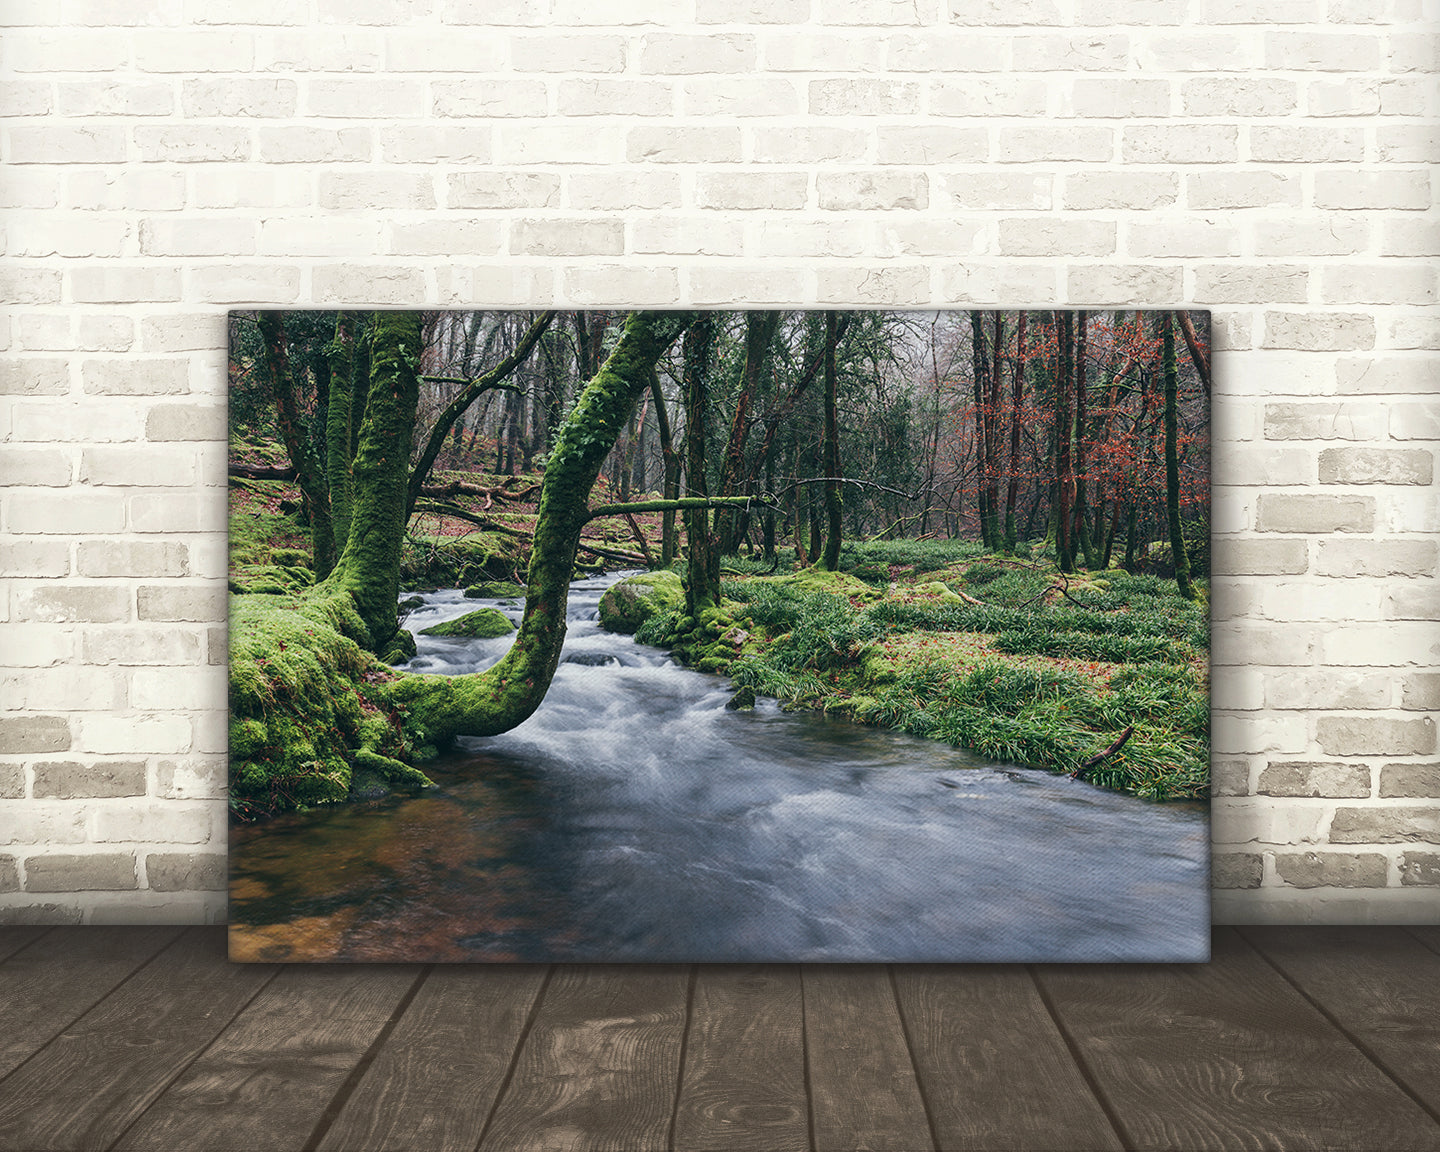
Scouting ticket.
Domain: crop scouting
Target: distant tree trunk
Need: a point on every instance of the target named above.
(671, 460)
(1197, 353)
(1172, 462)
(702, 582)
(310, 476)
(831, 560)
(980, 372)
(1064, 471)
(1017, 397)
(992, 433)
(760, 330)
(1081, 534)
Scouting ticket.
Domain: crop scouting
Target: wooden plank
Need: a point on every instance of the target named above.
(863, 1090)
(744, 1078)
(1227, 1055)
(1379, 984)
(61, 976)
(994, 1069)
(600, 1066)
(15, 937)
(92, 1081)
(436, 1079)
(269, 1077)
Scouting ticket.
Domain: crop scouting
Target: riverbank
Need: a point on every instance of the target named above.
(1102, 677)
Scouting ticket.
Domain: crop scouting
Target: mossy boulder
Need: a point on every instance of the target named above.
(628, 604)
(269, 579)
(809, 580)
(484, 624)
(494, 590)
(400, 649)
(938, 590)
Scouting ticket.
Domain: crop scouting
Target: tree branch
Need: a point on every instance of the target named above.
(671, 505)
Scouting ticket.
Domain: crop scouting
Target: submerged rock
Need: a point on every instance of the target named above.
(400, 649)
(590, 659)
(484, 624)
(410, 603)
(628, 604)
(494, 590)
(742, 701)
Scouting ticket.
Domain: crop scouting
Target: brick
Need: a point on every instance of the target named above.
(1276, 283)
(70, 780)
(1239, 690)
(1408, 144)
(1420, 868)
(807, 145)
(504, 12)
(873, 286)
(1243, 821)
(1123, 284)
(137, 646)
(135, 735)
(492, 189)
(75, 603)
(1325, 421)
(1410, 780)
(184, 333)
(184, 422)
(1229, 778)
(1297, 144)
(734, 96)
(1231, 96)
(366, 98)
(604, 284)
(567, 53)
(1376, 466)
(191, 143)
(29, 285)
(346, 50)
(34, 558)
(1412, 330)
(1281, 512)
(171, 237)
(35, 467)
(194, 778)
(1179, 143)
(135, 377)
(1003, 13)
(303, 144)
(1322, 52)
(863, 96)
(1389, 283)
(177, 688)
(1386, 825)
(1308, 236)
(559, 237)
(1074, 52)
(1048, 236)
(673, 54)
(20, 734)
(1308, 690)
(67, 689)
(1372, 190)
(875, 190)
(9, 874)
(170, 602)
(1414, 603)
(94, 872)
(1265, 466)
(170, 822)
(1005, 285)
(1129, 189)
(683, 145)
(592, 97)
(361, 285)
(488, 98)
(1189, 239)
(1332, 869)
(251, 186)
(881, 12)
(1243, 189)
(1375, 736)
(172, 512)
(932, 144)
(1421, 691)
(1236, 870)
(371, 191)
(67, 144)
(1106, 98)
(1023, 144)
(1408, 236)
(46, 913)
(920, 237)
(130, 285)
(1198, 51)
(36, 645)
(185, 871)
(333, 236)
(752, 189)
(493, 284)
(27, 98)
(1002, 191)
(623, 189)
(1376, 558)
(809, 50)
(1300, 778)
(232, 97)
(845, 238)
(1251, 643)
(985, 96)
(752, 11)
(734, 287)
(38, 237)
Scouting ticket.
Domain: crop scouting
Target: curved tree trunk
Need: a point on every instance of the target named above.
(496, 700)
(1172, 462)
(337, 428)
(830, 561)
(760, 330)
(702, 579)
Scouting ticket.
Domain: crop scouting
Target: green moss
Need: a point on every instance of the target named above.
(630, 603)
(810, 580)
(938, 590)
(495, 590)
(484, 624)
(400, 649)
(269, 578)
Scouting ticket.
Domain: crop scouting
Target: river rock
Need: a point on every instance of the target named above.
(400, 649)
(484, 624)
(590, 659)
(628, 604)
(410, 603)
(742, 701)
(494, 590)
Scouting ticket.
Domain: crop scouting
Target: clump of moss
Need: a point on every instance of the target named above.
(626, 606)
(494, 590)
(484, 624)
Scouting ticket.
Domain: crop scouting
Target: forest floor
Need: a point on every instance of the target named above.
(1000, 654)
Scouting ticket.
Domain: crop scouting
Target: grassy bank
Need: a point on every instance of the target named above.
(1004, 657)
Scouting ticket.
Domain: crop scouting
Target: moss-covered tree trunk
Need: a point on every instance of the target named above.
(671, 483)
(760, 328)
(1017, 397)
(338, 415)
(830, 561)
(1080, 533)
(1172, 461)
(1064, 469)
(486, 703)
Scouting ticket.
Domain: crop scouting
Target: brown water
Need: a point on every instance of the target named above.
(634, 818)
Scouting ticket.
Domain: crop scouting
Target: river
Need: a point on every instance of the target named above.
(634, 818)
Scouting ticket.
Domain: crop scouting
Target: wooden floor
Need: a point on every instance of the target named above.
(147, 1038)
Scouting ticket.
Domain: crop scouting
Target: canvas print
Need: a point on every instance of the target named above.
(719, 636)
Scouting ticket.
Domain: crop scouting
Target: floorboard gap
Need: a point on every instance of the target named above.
(515, 1056)
(914, 1064)
(684, 1048)
(1081, 1063)
(1359, 1044)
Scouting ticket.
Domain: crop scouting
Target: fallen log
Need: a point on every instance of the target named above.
(1086, 765)
(262, 472)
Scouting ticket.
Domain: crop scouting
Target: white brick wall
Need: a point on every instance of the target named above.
(1268, 159)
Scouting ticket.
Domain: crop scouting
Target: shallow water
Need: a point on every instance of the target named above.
(634, 818)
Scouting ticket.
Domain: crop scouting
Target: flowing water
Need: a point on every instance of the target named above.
(634, 818)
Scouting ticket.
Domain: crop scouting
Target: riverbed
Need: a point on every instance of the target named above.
(635, 818)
